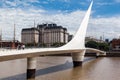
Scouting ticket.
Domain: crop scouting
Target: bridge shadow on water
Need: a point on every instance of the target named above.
(48, 70)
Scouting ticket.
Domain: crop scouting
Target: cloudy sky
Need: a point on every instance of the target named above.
(104, 20)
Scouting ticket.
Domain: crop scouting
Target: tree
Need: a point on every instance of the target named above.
(92, 44)
(103, 46)
(97, 45)
(57, 44)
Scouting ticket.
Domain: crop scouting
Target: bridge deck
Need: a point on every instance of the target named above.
(17, 54)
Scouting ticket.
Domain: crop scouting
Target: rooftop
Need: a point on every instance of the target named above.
(27, 29)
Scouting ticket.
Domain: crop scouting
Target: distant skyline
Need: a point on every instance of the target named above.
(104, 20)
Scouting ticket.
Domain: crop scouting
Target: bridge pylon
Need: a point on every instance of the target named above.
(78, 58)
(31, 68)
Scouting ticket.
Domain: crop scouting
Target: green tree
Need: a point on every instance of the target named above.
(92, 44)
(103, 46)
(57, 44)
(97, 45)
(31, 45)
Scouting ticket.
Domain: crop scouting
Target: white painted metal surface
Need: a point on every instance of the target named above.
(76, 45)
(78, 42)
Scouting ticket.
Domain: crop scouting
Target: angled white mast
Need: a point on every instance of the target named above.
(78, 41)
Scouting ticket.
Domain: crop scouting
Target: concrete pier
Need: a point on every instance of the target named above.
(31, 68)
(97, 55)
(78, 58)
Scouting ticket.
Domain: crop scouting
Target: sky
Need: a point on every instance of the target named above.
(104, 20)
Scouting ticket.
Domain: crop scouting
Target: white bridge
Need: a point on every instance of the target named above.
(76, 47)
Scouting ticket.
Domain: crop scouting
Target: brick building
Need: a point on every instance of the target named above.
(8, 44)
(115, 44)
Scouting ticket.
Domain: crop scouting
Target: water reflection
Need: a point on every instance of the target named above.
(54, 69)
(92, 69)
(16, 68)
(60, 68)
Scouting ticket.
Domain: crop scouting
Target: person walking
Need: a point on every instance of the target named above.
(23, 46)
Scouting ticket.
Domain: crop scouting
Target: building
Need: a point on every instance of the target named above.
(115, 44)
(8, 44)
(51, 33)
(93, 39)
(30, 36)
(45, 35)
(0, 37)
(70, 37)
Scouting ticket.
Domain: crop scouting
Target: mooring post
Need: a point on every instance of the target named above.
(78, 58)
(31, 68)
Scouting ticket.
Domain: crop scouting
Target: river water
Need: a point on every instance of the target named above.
(60, 68)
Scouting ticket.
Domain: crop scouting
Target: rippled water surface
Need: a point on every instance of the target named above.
(60, 68)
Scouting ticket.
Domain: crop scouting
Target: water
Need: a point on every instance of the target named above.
(60, 68)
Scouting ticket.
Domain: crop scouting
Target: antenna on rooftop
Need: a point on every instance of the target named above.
(13, 44)
(34, 35)
(14, 32)
(34, 23)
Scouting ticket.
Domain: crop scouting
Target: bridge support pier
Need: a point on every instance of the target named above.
(78, 58)
(97, 55)
(31, 68)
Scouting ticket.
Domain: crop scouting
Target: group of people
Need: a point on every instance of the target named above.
(21, 46)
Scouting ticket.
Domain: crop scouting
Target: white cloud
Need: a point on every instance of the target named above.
(25, 18)
(10, 3)
(18, 3)
(117, 1)
(103, 3)
(109, 27)
(66, 0)
(33, 1)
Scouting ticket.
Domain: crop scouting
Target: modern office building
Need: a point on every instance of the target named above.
(30, 36)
